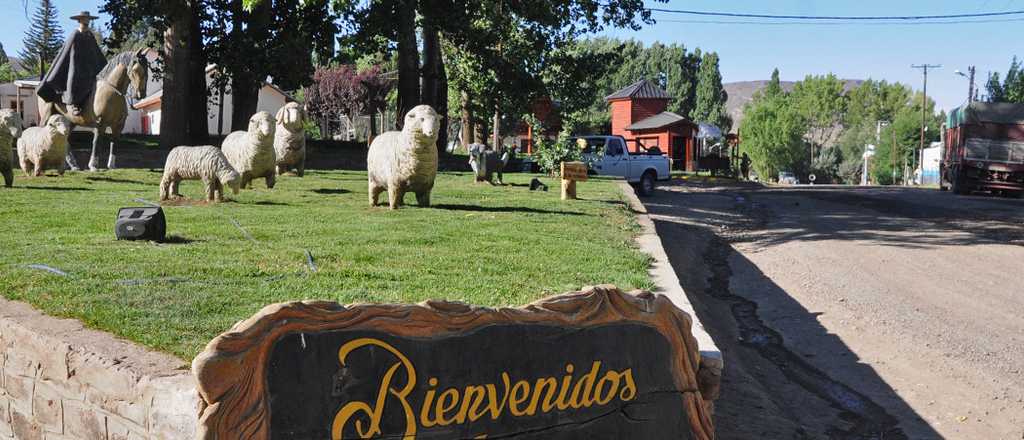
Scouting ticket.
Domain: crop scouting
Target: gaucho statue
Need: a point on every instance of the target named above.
(72, 75)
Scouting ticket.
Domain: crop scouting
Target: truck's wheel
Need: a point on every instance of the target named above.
(646, 186)
(956, 184)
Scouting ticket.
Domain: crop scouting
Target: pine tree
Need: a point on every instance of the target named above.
(773, 88)
(3, 55)
(43, 39)
(711, 96)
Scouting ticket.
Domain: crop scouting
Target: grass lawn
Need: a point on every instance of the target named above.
(484, 245)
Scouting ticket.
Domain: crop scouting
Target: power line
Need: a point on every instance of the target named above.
(838, 23)
(836, 17)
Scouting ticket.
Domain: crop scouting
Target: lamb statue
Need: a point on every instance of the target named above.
(206, 163)
(405, 161)
(251, 152)
(290, 139)
(486, 163)
(10, 130)
(44, 147)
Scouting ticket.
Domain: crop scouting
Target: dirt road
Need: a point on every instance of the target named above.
(853, 313)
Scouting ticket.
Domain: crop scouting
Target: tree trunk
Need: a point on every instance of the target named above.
(408, 61)
(198, 125)
(184, 92)
(435, 79)
(468, 135)
(496, 133)
(245, 97)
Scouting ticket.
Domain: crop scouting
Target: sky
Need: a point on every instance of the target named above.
(751, 51)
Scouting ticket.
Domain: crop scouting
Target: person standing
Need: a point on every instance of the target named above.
(71, 79)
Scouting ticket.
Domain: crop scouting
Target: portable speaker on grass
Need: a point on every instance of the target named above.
(146, 223)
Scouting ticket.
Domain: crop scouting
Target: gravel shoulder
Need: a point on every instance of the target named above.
(855, 313)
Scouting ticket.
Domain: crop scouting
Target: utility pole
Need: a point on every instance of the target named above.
(924, 96)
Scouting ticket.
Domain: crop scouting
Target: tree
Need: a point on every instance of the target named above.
(774, 88)
(272, 38)
(3, 55)
(773, 136)
(820, 100)
(711, 96)
(344, 90)
(1012, 87)
(177, 28)
(43, 39)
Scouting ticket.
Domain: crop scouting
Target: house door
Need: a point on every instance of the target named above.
(677, 152)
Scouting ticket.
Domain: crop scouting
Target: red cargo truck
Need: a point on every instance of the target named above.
(983, 149)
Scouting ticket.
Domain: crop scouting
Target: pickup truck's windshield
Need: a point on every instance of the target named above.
(994, 150)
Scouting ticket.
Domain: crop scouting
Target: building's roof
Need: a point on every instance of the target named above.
(154, 99)
(660, 120)
(642, 89)
(991, 112)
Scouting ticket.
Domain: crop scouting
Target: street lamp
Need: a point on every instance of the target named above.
(970, 79)
(869, 152)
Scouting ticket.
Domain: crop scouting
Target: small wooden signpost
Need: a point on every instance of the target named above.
(598, 363)
(572, 172)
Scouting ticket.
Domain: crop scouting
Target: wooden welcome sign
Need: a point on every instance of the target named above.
(596, 364)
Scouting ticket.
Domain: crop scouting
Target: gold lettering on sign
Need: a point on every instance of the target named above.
(522, 398)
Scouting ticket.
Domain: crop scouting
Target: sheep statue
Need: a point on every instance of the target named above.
(251, 152)
(44, 147)
(405, 161)
(486, 163)
(290, 139)
(10, 130)
(206, 163)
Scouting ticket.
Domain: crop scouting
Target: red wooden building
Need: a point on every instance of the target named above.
(639, 115)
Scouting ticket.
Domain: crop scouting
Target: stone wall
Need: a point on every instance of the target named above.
(60, 381)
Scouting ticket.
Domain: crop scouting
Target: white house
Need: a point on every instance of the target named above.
(145, 119)
(21, 96)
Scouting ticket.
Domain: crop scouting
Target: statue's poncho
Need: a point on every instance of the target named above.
(72, 75)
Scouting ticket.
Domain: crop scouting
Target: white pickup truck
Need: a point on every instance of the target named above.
(608, 156)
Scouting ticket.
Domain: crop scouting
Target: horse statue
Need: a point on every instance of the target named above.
(107, 108)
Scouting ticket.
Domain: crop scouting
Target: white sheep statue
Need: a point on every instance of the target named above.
(206, 163)
(251, 152)
(44, 147)
(405, 161)
(10, 130)
(290, 139)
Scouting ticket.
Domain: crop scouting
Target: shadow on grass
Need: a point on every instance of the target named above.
(522, 209)
(331, 191)
(177, 239)
(114, 180)
(268, 203)
(58, 188)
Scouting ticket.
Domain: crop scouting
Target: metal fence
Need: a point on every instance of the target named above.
(356, 127)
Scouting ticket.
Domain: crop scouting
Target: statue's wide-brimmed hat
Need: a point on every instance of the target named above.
(84, 15)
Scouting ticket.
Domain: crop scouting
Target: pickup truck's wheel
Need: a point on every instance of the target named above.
(646, 186)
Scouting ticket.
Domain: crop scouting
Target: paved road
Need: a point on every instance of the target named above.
(855, 313)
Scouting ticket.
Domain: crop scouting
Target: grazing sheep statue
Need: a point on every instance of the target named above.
(251, 152)
(44, 147)
(290, 139)
(206, 163)
(405, 161)
(10, 129)
(486, 163)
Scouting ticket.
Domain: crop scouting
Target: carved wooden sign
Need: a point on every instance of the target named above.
(593, 364)
(574, 171)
